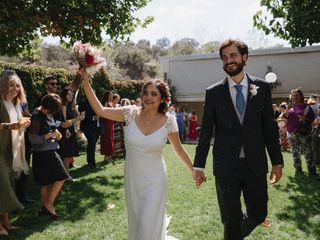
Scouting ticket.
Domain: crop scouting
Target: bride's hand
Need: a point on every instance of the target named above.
(83, 74)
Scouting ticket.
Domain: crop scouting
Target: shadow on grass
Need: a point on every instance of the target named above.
(304, 195)
(73, 203)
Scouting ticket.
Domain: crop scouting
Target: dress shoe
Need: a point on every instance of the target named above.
(70, 179)
(47, 212)
(95, 166)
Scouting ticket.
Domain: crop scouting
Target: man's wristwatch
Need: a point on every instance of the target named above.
(5, 126)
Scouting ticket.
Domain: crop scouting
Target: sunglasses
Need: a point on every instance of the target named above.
(53, 83)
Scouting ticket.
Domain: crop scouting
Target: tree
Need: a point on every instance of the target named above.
(185, 46)
(163, 42)
(210, 47)
(22, 21)
(296, 21)
(134, 60)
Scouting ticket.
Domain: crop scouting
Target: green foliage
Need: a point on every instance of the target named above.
(56, 56)
(23, 21)
(128, 89)
(210, 47)
(295, 21)
(32, 54)
(32, 79)
(134, 59)
(185, 46)
(163, 42)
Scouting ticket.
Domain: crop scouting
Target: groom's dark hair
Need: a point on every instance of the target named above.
(242, 47)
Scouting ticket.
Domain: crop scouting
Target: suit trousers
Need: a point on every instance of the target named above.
(92, 138)
(237, 224)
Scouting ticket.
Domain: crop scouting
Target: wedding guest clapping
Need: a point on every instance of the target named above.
(12, 154)
(299, 124)
(48, 169)
(68, 143)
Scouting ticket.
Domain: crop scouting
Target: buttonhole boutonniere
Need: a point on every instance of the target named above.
(253, 89)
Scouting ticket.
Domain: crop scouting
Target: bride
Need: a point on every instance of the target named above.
(147, 129)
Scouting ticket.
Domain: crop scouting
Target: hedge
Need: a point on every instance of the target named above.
(32, 79)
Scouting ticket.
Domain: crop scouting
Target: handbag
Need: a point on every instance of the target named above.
(305, 126)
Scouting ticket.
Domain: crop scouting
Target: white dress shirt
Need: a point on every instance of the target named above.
(233, 94)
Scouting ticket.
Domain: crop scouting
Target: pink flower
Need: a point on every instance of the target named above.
(168, 100)
(89, 58)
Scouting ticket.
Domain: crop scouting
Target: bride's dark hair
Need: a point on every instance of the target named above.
(164, 91)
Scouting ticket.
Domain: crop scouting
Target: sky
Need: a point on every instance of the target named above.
(203, 20)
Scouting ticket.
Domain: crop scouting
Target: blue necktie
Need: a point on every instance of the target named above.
(240, 104)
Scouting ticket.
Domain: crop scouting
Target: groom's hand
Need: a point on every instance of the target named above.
(276, 174)
(199, 177)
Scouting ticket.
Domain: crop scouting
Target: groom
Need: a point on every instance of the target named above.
(238, 109)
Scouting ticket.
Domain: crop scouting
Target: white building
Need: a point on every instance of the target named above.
(192, 74)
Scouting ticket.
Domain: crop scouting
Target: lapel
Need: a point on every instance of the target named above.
(229, 102)
(249, 99)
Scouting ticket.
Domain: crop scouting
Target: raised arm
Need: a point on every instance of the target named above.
(115, 114)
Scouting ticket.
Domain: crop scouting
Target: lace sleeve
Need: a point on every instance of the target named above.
(129, 113)
(172, 124)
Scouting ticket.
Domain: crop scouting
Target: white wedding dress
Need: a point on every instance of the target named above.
(145, 178)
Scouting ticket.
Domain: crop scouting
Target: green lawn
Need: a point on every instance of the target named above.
(294, 206)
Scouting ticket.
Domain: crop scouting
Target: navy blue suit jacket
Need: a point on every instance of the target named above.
(257, 133)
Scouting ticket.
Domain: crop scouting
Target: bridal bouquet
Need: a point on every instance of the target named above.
(88, 58)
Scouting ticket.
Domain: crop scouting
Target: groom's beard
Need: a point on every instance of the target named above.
(236, 71)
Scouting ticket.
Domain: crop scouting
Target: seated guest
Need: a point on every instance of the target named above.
(48, 168)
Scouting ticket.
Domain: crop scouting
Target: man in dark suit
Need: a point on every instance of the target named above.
(89, 126)
(50, 86)
(239, 109)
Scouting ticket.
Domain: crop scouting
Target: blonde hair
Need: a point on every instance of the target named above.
(5, 78)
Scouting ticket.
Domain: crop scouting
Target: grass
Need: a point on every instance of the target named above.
(294, 206)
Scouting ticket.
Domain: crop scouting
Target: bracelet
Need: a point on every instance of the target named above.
(5, 126)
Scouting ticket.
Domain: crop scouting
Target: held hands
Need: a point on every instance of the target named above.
(199, 177)
(275, 174)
